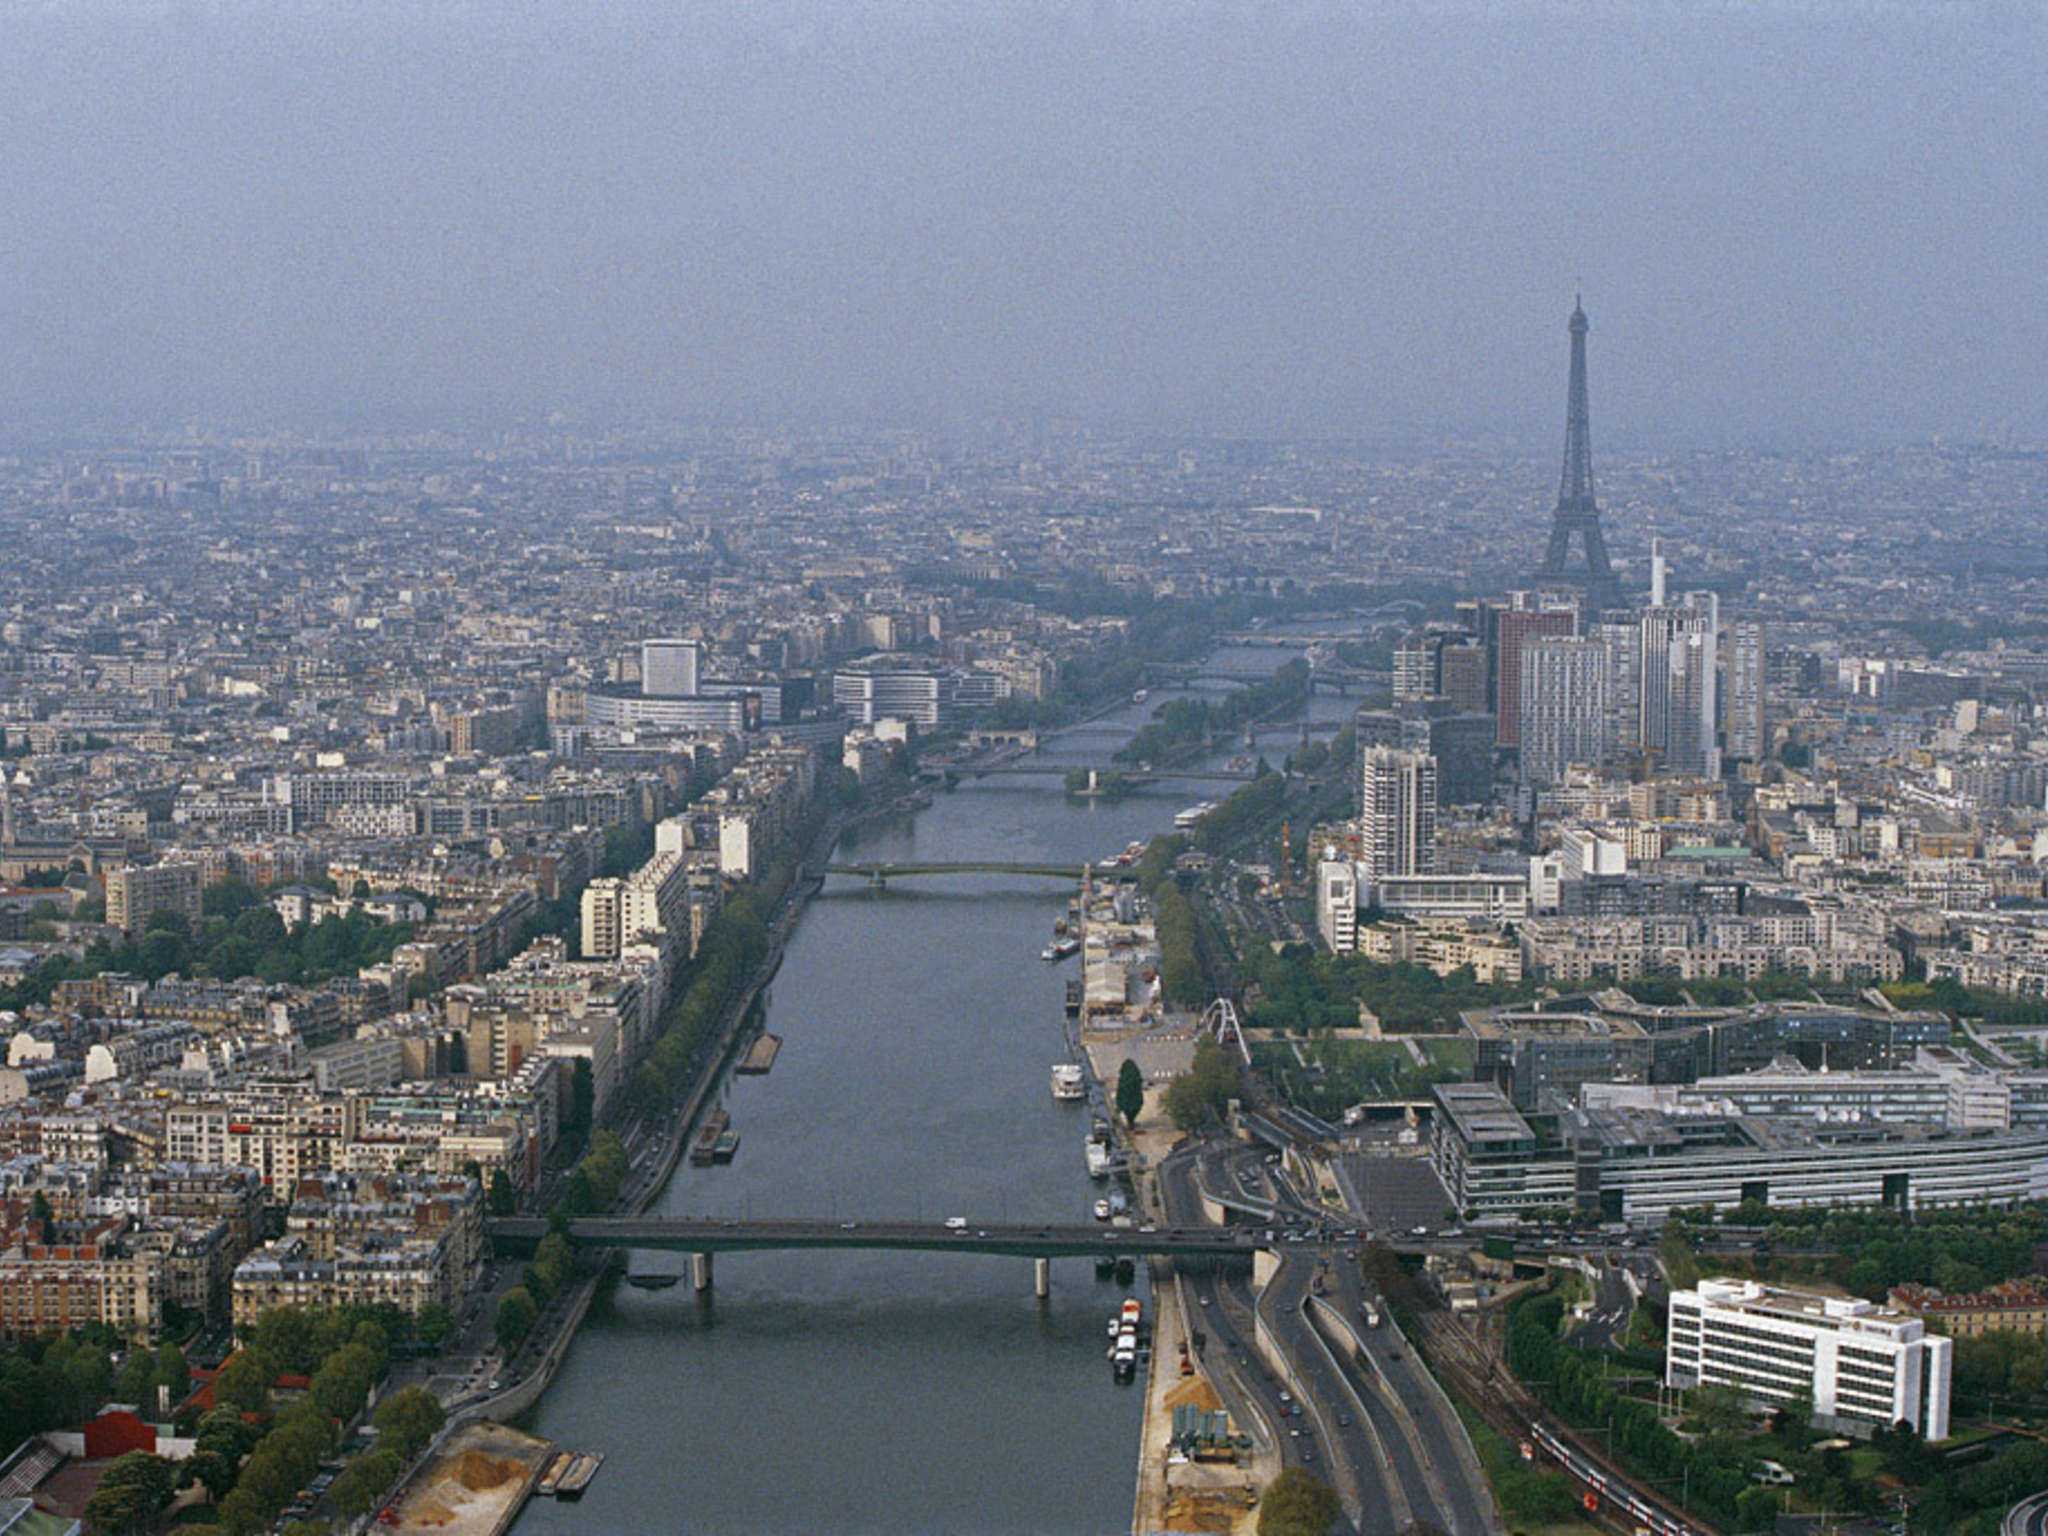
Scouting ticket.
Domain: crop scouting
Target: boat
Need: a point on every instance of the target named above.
(1068, 1082)
(652, 1282)
(760, 1057)
(1073, 1003)
(1101, 1156)
(1060, 949)
(1194, 813)
(578, 1477)
(727, 1144)
(1131, 854)
(705, 1146)
(551, 1479)
(1141, 696)
(1102, 1209)
(1105, 1265)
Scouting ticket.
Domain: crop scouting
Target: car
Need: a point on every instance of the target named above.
(1343, 1420)
(956, 1223)
(1308, 1453)
(1418, 1231)
(496, 1383)
(849, 1226)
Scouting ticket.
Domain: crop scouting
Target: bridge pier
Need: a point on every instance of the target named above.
(1041, 1277)
(700, 1271)
(877, 881)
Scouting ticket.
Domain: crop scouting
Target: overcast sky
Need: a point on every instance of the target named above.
(1793, 224)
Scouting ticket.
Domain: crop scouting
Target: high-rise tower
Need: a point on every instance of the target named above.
(1576, 510)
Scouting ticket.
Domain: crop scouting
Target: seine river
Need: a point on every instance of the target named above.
(887, 1391)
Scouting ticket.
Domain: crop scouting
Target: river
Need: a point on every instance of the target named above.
(887, 1391)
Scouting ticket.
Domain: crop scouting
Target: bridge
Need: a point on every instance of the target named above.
(701, 1237)
(882, 874)
(1128, 775)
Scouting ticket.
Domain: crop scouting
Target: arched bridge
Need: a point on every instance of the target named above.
(882, 874)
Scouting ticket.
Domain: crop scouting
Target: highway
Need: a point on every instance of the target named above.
(1410, 1395)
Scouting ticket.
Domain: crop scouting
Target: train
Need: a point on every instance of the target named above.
(1601, 1486)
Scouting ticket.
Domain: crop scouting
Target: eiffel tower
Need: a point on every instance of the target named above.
(1576, 510)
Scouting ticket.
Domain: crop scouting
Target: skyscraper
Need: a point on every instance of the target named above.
(1680, 647)
(1577, 512)
(1564, 717)
(1513, 629)
(1745, 733)
(1397, 814)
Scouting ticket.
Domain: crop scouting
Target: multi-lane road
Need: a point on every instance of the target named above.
(1358, 1408)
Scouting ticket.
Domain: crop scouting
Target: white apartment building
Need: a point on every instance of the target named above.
(1862, 1365)
(1397, 814)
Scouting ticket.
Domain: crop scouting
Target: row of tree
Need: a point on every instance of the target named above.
(1303, 991)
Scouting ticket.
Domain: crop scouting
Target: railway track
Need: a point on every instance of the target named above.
(1493, 1393)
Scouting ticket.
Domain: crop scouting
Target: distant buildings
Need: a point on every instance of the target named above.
(136, 892)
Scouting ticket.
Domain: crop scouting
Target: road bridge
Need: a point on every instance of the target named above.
(1128, 775)
(882, 874)
(701, 1237)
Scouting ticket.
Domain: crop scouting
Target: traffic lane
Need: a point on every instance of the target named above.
(1607, 1318)
(1439, 1428)
(1395, 1374)
(1355, 1449)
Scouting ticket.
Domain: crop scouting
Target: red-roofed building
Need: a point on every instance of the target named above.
(2017, 1306)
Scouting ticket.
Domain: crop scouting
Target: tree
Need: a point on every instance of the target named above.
(504, 1199)
(173, 1372)
(407, 1420)
(1201, 1094)
(364, 1480)
(212, 1468)
(515, 1318)
(433, 1326)
(1720, 1409)
(137, 1381)
(1130, 1091)
(131, 1492)
(1297, 1503)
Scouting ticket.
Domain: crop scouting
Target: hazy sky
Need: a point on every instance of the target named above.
(1793, 223)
